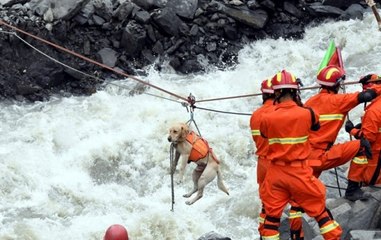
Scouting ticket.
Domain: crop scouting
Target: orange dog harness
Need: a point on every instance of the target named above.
(200, 147)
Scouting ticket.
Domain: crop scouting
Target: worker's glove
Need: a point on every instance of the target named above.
(364, 80)
(365, 147)
(358, 126)
(349, 126)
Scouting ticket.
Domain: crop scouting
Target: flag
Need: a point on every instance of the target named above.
(332, 57)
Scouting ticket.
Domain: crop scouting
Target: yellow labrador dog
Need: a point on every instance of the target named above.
(192, 148)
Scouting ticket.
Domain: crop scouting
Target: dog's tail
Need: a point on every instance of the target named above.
(220, 183)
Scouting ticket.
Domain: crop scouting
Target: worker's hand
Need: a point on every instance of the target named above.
(358, 126)
(365, 145)
(364, 80)
(349, 126)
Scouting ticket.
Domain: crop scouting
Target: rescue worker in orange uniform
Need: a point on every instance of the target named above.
(260, 142)
(289, 176)
(370, 128)
(333, 107)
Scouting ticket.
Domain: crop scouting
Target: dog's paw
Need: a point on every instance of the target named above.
(189, 202)
(187, 195)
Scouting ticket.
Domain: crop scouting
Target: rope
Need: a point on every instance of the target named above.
(90, 60)
(173, 168)
(219, 111)
(260, 94)
(232, 97)
(334, 187)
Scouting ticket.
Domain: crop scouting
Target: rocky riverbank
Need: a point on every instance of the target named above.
(130, 35)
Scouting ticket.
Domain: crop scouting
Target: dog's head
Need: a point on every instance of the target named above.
(178, 132)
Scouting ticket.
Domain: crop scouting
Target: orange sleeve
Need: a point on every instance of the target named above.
(346, 102)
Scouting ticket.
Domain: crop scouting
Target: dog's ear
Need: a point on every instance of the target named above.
(184, 130)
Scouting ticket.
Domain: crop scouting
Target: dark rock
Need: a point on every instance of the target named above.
(142, 17)
(133, 38)
(343, 4)
(194, 30)
(327, 10)
(230, 32)
(190, 66)
(108, 56)
(151, 33)
(158, 48)
(182, 8)
(290, 8)
(255, 19)
(355, 11)
(253, 4)
(175, 46)
(147, 54)
(98, 20)
(268, 4)
(123, 11)
(211, 47)
(167, 21)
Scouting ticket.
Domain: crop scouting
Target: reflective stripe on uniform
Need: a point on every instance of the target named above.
(261, 219)
(288, 140)
(329, 117)
(273, 237)
(297, 214)
(379, 130)
(256, 132)
(329, 227)
(360, 160)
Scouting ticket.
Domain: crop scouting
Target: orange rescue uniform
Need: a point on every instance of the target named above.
(333, 109)
(371, 130)
(289, 178)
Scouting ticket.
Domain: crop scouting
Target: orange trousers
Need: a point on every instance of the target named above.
(338, 155)
(262, 166)
(296, 213)
(371, 168)
(290, 183)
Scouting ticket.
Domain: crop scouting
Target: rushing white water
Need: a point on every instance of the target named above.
(71, 167)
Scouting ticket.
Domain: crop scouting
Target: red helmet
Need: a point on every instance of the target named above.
(330, 76)
(375, 78)
(116, 232)
(283, 80)
(266, 86)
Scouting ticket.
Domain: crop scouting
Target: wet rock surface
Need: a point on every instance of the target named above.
(131, 35)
